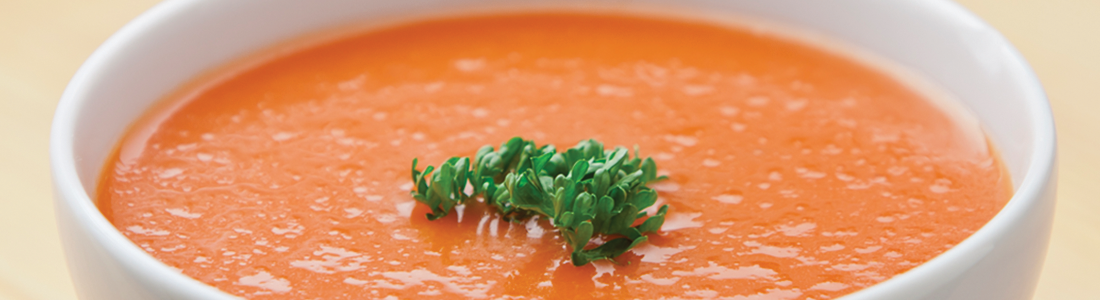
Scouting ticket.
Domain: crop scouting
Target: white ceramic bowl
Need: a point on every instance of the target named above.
(938, 40)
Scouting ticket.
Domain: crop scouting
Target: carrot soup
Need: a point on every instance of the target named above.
(793, 172)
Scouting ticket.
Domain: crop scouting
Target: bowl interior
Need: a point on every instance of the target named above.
(168, 46)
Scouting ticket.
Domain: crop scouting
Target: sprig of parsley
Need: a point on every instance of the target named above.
(585, 191)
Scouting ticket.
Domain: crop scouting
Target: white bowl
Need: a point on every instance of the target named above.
(940, 41)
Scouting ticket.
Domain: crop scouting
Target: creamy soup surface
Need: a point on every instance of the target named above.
(795, 173)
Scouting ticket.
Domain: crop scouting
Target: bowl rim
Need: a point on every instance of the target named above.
(1040, 170)
(69, 190)
(70, 195)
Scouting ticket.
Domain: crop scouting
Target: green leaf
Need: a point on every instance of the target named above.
(603, 213)
(616, 159)
(649, 168)
(601, 181)
(565, 220)
(584, 234)
(583, 208)
(644, 198)
(528, 194)
(415, 173)
(540, 161)
(579, 170)
(654, 223)
(461, 169)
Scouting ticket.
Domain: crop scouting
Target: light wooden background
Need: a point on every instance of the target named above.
(42, 42)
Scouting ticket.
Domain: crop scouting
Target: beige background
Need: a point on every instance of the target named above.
(42, 42)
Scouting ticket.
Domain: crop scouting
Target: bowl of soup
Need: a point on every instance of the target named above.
(261, 149)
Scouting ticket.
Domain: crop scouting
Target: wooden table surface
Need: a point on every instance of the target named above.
(42, 42)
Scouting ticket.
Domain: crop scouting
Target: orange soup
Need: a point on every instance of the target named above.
(795, 172)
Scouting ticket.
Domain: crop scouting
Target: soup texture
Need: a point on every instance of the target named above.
(795, 173)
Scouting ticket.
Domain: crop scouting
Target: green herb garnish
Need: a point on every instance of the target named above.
(584, 190)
